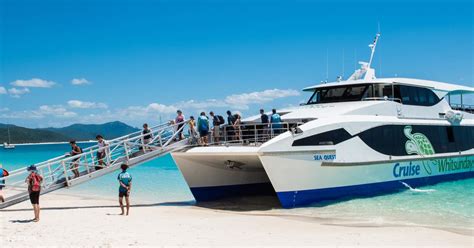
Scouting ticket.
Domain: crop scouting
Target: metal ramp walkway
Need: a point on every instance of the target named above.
(132, 149)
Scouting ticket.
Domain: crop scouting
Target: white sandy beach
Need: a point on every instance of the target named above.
(72, 220)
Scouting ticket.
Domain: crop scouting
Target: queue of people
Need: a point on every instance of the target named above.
(214, 129)
(201, 132)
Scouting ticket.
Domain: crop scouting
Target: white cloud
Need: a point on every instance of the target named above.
(3, 90)
(151, 113)
(33, 83)
(242, 101)
(51, 111)
(161, 108)
(56, 111)
(86, 105)
(80, 81)
(14, 92)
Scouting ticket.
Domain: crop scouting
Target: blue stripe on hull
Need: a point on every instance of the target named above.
(217, 192)
(292, 199)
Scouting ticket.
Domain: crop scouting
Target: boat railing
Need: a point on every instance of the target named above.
(253, 134)
(59, 171)
(382, 99)
(463, 107)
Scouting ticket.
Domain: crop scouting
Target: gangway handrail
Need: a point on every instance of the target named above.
(56, 172)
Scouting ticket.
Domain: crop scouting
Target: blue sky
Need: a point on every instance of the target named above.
(135, 61)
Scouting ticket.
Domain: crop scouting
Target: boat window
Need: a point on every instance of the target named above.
(345, 93)
(416, 96)
(332, 137)
(369, 93)
(387, 90)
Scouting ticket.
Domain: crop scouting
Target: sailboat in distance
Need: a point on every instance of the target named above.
(8, 145)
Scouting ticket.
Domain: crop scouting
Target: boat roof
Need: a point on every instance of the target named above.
(452, 89)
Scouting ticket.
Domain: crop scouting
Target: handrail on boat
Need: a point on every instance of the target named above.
(248, 133)
(393, 99)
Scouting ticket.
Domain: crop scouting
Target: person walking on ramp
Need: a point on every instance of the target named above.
(125, 181)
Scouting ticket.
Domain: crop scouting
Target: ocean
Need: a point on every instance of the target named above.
(444, 205)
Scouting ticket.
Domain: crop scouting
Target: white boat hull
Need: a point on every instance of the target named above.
(300, 180)
(217, 174)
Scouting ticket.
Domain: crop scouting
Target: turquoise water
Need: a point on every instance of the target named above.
(155, 181)
(449, 204)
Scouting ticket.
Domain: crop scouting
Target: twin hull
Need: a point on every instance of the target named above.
(300, 178)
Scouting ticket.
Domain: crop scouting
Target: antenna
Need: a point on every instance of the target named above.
(327, 64)
(343, 63)
(372, 48)
(380, 63)
(380, 54)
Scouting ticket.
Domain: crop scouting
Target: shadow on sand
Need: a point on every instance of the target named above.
(21, 221)
(185, 203)
(243, 204)
(238, 204)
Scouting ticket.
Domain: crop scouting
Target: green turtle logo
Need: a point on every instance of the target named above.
(419, 144)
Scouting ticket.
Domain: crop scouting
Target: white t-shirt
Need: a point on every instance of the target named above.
(102, 145)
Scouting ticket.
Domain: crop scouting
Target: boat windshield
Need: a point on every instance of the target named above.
(346, 93)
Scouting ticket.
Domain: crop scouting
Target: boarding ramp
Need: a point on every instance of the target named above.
(132, 149)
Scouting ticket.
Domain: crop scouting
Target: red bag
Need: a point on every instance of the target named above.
(35, 182)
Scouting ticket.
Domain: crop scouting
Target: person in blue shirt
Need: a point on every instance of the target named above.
(203, 128)
(125, 181)
(275, 121)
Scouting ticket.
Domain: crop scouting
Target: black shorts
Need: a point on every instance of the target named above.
(203, 133)
(34, 197)
(122, 194)
(100, 155)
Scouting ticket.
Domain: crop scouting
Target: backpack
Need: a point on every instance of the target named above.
(35, 182)
(221, 119)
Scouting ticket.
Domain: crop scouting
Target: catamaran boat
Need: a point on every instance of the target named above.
(357, 137)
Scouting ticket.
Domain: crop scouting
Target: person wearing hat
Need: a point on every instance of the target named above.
(34, 181)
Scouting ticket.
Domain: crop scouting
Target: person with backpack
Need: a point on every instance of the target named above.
(217, 121)
(275, 121)
(76, 150)
(34, 181)
(203, 128)
(125, 181)
(3, 173)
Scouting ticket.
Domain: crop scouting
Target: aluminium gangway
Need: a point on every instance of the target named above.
(57, 172)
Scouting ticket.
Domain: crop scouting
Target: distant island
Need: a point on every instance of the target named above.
(79, 132)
